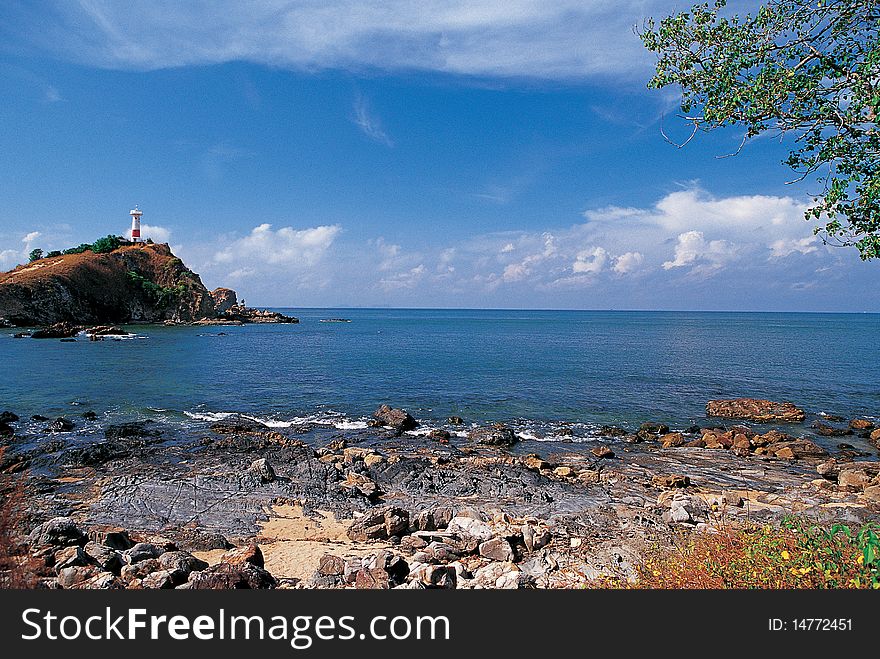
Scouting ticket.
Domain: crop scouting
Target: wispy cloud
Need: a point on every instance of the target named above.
(369, 123)
(499, 38)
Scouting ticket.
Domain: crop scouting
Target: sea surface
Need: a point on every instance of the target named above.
(536, 370)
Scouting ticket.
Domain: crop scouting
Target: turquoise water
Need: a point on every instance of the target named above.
(531, 368)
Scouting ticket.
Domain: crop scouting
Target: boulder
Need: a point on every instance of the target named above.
(754, 409)
(872, 493)
(142, 551)
(670, 481)
(611, 431)
(224, 299)
(104, 557)
(179, 564)
(114, 538)
(248, 554)
(439, 434)
(375, 578)
(671, 440)
(395, 418)
(373, 460)
(798, 449)
(535, 462)
(60, 425)
(654, 428)
(494, 435)
(455, 421)
(331, 566)
(73, 556)
(261, 470)
(497, 549)
(8, 417)
(379, 524)
(602, 452)
(224, 576)
(71, 577)
(57, 532)
(139, 570)
(468, 526)
(564, 472)
(855, 424)
(159, 580)
(61, 330)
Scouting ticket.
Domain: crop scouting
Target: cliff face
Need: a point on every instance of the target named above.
(134, 283)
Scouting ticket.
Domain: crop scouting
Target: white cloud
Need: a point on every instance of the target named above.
(783, 247)
(407, 279)
(560, 39)
(590, 261)
(507, 248)
(370, 125)
(156, 233)
(693, 249)
(628, 262)
(31, 237)
(286, 247)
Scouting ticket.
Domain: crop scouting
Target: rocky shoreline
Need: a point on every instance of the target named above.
(248, 506)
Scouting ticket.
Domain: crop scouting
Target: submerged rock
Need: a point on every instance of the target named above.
(755, 409)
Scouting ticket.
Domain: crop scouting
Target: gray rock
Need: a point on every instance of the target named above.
(57, 532)
(497, 549)
(142, 551)
(475, 528)
(104, 557)
(159, 580)
(396, 418)
(497, 435)
(262, 470)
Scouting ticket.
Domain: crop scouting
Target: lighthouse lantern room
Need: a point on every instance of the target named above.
(135, 224)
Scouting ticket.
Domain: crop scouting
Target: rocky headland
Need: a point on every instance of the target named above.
(134, 283)
(242, 505)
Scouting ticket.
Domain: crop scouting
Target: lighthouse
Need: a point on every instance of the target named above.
(135, 224)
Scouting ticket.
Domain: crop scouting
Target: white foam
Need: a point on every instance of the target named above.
(209, 416)
(351, 425)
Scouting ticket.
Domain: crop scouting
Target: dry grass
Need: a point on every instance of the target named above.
(797, 554)
(17, 568)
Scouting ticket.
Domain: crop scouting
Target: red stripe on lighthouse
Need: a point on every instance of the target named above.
(135, 233)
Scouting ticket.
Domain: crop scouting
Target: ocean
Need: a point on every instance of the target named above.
(535, 370)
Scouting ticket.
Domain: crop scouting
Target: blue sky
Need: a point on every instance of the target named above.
(453, 154)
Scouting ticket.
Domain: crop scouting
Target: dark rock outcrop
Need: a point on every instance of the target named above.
(495, 435)
(395, 418)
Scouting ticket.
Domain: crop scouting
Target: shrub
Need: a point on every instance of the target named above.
(84, 247)
(107, 244)
(54, 252)
(35, 255)
(797, 554)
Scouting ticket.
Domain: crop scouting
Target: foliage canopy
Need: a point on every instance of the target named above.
(805, 70)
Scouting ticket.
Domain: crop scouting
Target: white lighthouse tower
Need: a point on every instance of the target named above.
(135, 224)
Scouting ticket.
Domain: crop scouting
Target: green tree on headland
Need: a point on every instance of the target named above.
(107, 244)
(804, 69)
(35, 255)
